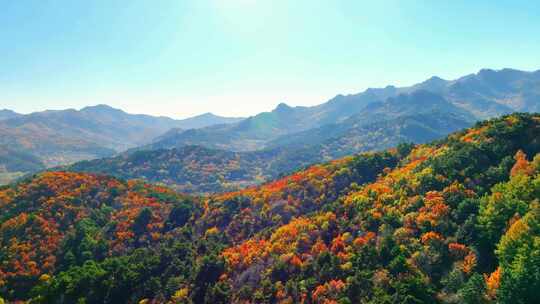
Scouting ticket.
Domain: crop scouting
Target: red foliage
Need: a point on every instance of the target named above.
(431, 236)
(58, 200)
(458, 250)
(329, 292)
(522, 165)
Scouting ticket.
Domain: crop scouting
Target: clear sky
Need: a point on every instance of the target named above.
(240, 57)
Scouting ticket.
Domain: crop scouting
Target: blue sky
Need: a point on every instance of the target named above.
(239, 57)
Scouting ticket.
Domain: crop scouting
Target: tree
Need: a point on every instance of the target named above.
(473, 291)
(141, 221)
(206, 276)
(179, 215)
(506, 201)
(519, 255)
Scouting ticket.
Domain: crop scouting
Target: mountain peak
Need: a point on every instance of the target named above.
(207, 115)
(282, 107)
(435, 79)
(432, 83)
(100, 107)
(484, 72)
(7, 114)
(7, 111)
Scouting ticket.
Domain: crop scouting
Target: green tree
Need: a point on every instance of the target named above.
(473, 291)
(179, 215)
(144, 217)
(519, 255)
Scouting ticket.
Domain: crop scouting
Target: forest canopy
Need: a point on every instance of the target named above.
(453, 221)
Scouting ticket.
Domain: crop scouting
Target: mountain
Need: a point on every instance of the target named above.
(205, 120)
(14, 164)
(291, 138)
(488, 93)
(7, 114)
(254, 132)
(66, 136)
(196, 169)
(382, 134)
(246, 135)
(358, 127)
(416, 117)
(454, 221)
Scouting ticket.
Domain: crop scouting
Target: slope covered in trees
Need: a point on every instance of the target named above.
(454, 221)
(196, 169)
(67, 136)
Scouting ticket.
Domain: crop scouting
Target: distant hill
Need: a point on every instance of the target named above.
(201, 170)
(205, 120)
(488, 93)
(254, 132)
(290, 138)
(440, 117)
(15, 163)
(66, 136)
(344, 124)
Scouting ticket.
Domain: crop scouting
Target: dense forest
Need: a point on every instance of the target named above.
(453, 221)
(198, 169)
(31, 142)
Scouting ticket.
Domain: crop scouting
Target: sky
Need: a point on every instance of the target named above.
(180, 58)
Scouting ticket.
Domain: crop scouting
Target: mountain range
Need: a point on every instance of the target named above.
(197, 169)
(261, 147)
(268, 145)
(488, 93)
(62, 137)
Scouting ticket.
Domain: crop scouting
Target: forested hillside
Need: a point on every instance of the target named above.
(14, 163)
(196, 169)
(454, 221)
(63, 137)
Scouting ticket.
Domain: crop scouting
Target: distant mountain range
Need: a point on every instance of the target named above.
(61, 137)
(233, 152)
(488, 93)
(7, 114)
(197, 169)
(205, 120)
(270, 144)
(429, 110)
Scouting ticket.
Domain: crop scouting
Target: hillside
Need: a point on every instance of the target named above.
(435, 118)
(14, 164)
(486, 94)
(454, 221)
(100, 125)
(67, 136)
(201, 170)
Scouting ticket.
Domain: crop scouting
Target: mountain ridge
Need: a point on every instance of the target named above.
(58, 137)
(485, 94)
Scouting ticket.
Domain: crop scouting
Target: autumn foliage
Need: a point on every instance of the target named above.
(455, 221)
